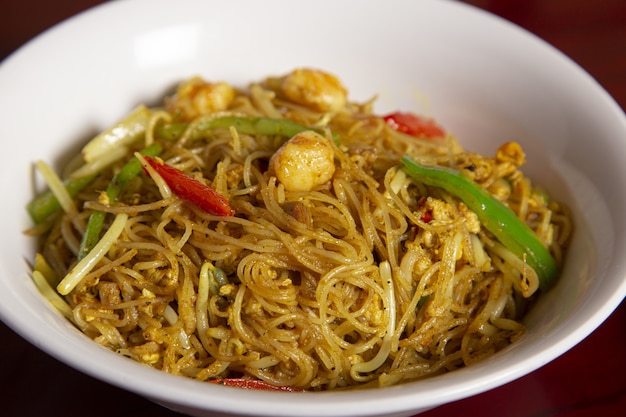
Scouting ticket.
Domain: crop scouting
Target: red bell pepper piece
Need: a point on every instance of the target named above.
(414, 125)
(253, 384)
(191, 190)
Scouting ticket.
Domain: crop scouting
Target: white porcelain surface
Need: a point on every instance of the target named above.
(485, 80)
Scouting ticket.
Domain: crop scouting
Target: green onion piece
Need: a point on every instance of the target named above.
(247, 125)
(117, 184)
(46, 204)
(500, 220)
(122, 133)
(82, 268)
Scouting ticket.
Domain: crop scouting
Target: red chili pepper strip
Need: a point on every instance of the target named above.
(253, 384)
(427, 215)
(414, 125)
(192, 190)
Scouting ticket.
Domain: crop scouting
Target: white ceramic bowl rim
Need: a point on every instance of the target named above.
(144, 73)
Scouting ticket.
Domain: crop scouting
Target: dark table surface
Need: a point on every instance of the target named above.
(589, 380)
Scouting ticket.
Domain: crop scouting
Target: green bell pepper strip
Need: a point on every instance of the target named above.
(246, 125)
(115, 187)
(500, 220)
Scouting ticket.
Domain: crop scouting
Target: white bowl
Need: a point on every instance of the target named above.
(484, 79)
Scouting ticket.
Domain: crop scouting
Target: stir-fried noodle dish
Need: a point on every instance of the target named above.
(283, 236)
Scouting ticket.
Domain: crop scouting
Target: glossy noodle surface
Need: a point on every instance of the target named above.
(313, 262)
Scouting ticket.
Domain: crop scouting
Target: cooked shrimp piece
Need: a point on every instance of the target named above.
(196, 97)
(511, 152)
(315, 89)
(304, 162)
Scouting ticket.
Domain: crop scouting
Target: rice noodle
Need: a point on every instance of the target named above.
(369, 279)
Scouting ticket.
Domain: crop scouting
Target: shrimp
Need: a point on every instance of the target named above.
(304, 162)
(315, 89)
(511, 152)
(196, 97)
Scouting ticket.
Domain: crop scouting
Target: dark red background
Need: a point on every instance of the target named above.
(589, 380)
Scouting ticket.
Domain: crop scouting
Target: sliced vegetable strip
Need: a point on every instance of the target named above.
(82, 268)
(191, 190)
(118, 183)
(246, 125)
(100, 148)
(512, 232)
(120, 134)
(46, 204)
(52, 296)
(253, 384)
